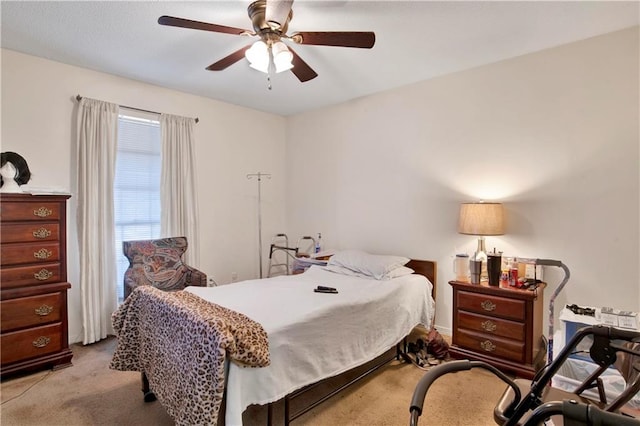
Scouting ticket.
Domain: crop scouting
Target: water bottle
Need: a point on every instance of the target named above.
(318, 243)
(461, 267)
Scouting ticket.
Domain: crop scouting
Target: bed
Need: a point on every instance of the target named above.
(311, 336)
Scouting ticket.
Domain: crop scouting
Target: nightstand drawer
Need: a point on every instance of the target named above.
(29, 311)
(491, 305)
(491, 345)
(30, 343)
(490, 325)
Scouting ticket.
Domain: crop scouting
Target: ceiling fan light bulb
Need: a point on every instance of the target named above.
(283, 61)
(262, 67)
(278, 47)
(282, 57)
(285, 67)
(257, 52)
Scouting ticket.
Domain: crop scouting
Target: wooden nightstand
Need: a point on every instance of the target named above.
(499, 325)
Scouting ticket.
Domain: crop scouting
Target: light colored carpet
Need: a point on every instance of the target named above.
(88, 393)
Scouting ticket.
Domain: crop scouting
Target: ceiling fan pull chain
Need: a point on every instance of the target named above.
(270, 67)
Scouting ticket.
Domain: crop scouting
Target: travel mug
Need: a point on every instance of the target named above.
(494, 268)
(475, 266)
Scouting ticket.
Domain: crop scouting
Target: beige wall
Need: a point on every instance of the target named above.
(553, 135)
(38, 121)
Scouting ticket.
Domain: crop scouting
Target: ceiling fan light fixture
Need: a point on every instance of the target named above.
(282, 57)
(270, 20)
(258, 56)
(260, 67)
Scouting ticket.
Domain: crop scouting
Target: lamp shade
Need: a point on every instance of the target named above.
(481, 219)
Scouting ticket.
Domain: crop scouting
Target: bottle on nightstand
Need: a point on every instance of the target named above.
(461, 267)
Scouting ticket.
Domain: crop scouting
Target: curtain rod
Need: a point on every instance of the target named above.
(136, 109)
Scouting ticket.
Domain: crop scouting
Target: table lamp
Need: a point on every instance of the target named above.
(481, 219)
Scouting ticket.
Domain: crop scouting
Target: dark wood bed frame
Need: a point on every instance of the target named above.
(427, 268)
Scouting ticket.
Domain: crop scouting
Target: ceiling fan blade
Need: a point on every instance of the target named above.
(361, 39)
(228, 60)
(301, 69)
(197, 25)
(278, 11)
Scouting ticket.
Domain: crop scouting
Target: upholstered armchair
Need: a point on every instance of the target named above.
(159, 263)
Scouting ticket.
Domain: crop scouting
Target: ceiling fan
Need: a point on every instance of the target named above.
(270, 19)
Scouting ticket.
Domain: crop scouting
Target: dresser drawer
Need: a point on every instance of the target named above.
(492, 326)
(29, 311)
(17, 254)
(44, 210)
(27, 232)
(491, 345)
(20, 276)
(492, 305)
(31, 343)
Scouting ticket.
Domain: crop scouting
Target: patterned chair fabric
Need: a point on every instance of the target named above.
(159, 263)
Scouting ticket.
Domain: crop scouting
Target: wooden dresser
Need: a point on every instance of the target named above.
(500, 325)
(33, 283)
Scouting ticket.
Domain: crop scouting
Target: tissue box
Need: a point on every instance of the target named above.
(622, 319)
(627, 319)
(608, 316)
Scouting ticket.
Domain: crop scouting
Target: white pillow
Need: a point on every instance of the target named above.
(344, 271)
(398, 272)
(395, 273)
(376, 266)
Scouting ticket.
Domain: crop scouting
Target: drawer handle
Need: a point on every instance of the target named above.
(488, 305)
(43, 212)
(43, 274)
(41, 342)
(44, 310)
(41, 233)
(43, 253)
(488, 346)
(489, 326)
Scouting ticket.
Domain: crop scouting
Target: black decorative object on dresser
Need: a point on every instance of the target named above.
(33, 284)
(500, 325)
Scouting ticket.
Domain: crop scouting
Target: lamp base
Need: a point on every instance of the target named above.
(481, 255)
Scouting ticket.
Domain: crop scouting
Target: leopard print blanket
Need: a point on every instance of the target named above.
(180, 341)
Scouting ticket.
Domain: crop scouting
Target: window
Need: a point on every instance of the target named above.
(136, 186)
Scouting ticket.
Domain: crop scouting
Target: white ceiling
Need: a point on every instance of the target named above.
(415, 40)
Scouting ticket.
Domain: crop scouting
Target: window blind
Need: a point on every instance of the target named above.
(136, 186)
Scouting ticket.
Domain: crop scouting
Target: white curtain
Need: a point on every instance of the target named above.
(178, 197)
(97, 141)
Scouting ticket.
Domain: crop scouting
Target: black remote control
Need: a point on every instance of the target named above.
(321, 287)
(332, 290)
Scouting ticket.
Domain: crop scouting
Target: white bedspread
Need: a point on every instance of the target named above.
(313, 336)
